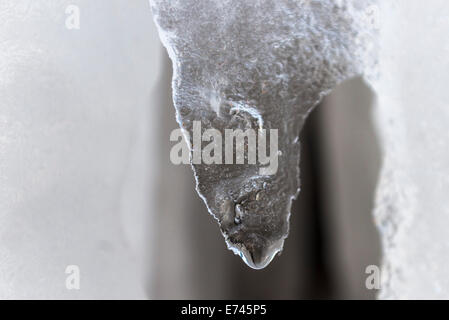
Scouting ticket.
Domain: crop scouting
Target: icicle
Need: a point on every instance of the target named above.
(261, 64)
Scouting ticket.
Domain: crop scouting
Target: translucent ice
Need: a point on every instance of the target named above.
(246, 64)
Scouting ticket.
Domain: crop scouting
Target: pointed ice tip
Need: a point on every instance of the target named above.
(260, 257)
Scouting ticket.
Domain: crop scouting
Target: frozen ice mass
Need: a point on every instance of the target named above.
(250, 64)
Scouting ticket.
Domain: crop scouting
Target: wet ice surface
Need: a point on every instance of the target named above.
(241, 64)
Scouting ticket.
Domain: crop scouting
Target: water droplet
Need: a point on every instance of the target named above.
(258, 257)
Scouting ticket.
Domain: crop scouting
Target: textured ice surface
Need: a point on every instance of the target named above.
(276, 58)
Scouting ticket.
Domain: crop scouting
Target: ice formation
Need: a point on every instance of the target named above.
(238, 64)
